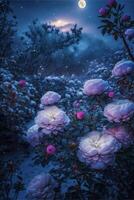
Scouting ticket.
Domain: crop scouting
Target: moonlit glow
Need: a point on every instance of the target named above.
(82, 4)
(62, 24)
(59, 23)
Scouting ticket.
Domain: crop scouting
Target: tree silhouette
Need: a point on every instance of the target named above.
(43, 40)
(7, 29)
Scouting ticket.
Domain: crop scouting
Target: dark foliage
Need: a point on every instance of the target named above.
(11, 184)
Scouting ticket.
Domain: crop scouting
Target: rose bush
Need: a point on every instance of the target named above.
(18, 104)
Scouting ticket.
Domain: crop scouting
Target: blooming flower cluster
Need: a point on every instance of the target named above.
(50, 120)
(98, 148)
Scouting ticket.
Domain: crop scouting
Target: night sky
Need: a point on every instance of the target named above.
(66, 13)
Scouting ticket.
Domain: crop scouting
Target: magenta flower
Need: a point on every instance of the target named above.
(50, 98)
(95, 87)
(22, 83)
(112, 3)
(50, 149)
(103, 12)
(121, 134)
(130, 33)
(41, 187)
(97, 150)
(123, 68)
(126, 18)
(121, 110)
(111, 94)
(80, 115)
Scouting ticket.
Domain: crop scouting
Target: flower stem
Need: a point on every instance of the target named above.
(127, 47)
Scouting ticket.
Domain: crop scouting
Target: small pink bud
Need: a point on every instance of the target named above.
(103, 12)
(50, 149)
(80, 115)
(112, 3)
(22, 83)
(126, 18)
(111, 94)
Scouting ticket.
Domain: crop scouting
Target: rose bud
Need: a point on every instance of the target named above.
(103, 12)
(50, 149)
(80, 115)
(112, 3)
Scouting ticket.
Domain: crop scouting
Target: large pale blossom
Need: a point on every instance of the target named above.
(50, 98)
(41, 188)
(52, 119)
(121, 110)
(95, 87)
(121, 134)
(98, 150)
(123, 68)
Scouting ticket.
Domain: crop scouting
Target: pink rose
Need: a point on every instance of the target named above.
(112, 3)
(97, 149)
(22, 83)
(50, 149)
(80, 115)
(52, 119)
(111, 94)
(50, 98)
(118, 111)
(103, 12)
(95, 87)
(123, 68)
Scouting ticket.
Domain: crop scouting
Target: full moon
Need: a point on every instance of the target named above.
(82, 3)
